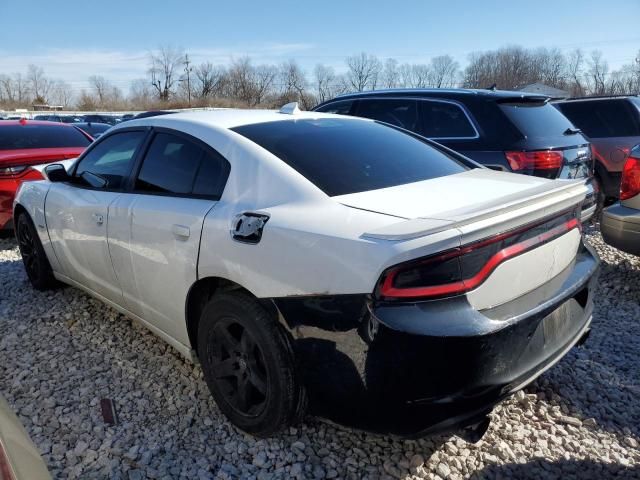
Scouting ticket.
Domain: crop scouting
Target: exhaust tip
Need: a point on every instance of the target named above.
(474, 433)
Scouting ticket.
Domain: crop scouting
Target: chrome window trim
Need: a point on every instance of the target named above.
(423, 99)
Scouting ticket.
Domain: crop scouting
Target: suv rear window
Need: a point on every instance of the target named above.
(536, 120)
(603, 118)
(15, 137)
(342, 156)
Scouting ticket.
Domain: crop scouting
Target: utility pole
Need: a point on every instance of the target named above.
(187, 71)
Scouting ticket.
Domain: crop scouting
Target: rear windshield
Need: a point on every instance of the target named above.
(604, 118)
(14, 137)
(342, 156)
(536, 120)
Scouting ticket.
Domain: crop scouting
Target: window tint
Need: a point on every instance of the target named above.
(108, 163)
(344, 155)
(603, 118)
(444, 120)
(401, 113)
(176, 165)
(13, 137)
(536, 120)
(343, 107)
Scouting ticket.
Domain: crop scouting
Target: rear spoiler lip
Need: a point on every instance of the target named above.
(421, 227)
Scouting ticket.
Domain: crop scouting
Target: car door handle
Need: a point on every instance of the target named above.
(181, 231)
(98, 218)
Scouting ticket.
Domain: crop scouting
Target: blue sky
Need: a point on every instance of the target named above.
(75, 39)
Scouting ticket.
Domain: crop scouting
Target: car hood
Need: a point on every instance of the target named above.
(455, 200)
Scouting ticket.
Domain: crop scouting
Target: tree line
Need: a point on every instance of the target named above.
(173, 81)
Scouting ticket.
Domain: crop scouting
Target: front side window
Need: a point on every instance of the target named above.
(347, 155)
(342, 108)
(108, 164)
(176, 165)
(444, 120)
(401, 113)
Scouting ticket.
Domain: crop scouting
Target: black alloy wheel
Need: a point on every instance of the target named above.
(239, 367)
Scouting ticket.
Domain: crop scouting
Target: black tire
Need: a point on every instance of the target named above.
(249, 366)
(34, 258)
(600, 199)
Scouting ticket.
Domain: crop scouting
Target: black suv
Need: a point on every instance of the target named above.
(502, 130)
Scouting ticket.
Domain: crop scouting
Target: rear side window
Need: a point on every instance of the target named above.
(401, 113)
(342, 108)
(603, 118)
(109, 162)
(176, 165)
(345, 155)
(14, 137)
(444, 120)
(536, 120)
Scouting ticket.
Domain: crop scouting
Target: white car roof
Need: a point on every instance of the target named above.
(225, 118)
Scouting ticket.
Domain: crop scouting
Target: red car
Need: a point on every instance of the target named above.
(24, 143)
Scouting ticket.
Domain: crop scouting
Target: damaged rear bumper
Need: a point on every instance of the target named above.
(413, 369)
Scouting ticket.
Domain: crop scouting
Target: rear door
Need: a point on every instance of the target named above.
(154, 234)
(77, 212)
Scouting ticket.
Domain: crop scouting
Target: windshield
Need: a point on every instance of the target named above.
(537, 120)
(342, 156)
(15, 137)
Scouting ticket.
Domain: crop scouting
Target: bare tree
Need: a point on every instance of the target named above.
(209, 80)
(101, 87)
(390, 76)
(575, 64)
(61, 94)
(598, 71)
(14, 88)
(444, 70)
(263, 77)
(363, 71)
(140, 94)
(326, 82)
(38, 83)
(294, 85)
(164, 70)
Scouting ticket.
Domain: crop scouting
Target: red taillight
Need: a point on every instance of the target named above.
(463, 269)
(22, 172)
(538, 160)
(630, 185)
(6, 472)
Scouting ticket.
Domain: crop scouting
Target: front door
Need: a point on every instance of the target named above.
(77, 213)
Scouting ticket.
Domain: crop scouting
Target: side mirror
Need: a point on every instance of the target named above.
(56, 173)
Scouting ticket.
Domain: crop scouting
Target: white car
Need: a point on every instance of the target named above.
(321, 261)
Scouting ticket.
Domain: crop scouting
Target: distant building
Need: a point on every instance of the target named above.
(46, 108)
(543, 89)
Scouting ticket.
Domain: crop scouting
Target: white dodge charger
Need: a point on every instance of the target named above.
(320, 262)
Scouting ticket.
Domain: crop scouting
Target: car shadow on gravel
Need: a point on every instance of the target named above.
(542, 468)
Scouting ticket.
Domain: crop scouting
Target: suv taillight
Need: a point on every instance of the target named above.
(462, 269)
(630, 184)
(536, 160)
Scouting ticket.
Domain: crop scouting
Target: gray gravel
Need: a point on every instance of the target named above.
(61, 352)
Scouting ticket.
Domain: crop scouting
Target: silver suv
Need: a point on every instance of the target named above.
(621, 222)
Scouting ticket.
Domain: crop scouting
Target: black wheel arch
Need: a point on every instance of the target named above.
(199, 295)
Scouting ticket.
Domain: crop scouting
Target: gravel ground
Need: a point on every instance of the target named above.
(61, 352)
